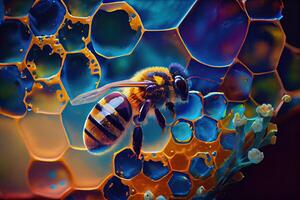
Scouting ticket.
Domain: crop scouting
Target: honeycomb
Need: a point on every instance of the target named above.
(53, 50)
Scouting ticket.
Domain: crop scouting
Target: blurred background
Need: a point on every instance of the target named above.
(277, 177)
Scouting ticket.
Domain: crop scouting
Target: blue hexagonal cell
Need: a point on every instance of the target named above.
(155, 170)
(114, 189)
(228, 141)
(82, 8)
(84, 195)
(14, 41)
(44, 62)
(158, 17)
(72, 35)
(215, 105)
(78, 75)
(204, 78)
(263, 46)
(127, 164)
(158, 48)
(182, 131)
(111, 21)
(17, 8)
(206, 129)
(199, 168)
(237, 83)
(180, 184)
(13, 85)
(201, 29)
(46, 16)
(191, 109)
(73, 119)
(264, 9)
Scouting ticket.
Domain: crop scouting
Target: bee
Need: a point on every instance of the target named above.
(150, 88)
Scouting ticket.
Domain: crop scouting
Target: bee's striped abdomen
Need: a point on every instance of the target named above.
(106, 122)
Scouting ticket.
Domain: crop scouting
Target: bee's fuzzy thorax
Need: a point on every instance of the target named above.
(159, 75)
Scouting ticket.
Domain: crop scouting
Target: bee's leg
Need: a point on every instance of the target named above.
(144, 110)
(137, 136)
(160, 119)
(137, 140)
(170, 106)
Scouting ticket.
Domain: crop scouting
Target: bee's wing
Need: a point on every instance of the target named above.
(94, 95)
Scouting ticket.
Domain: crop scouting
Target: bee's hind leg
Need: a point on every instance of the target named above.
(137, 139)
(137, 136)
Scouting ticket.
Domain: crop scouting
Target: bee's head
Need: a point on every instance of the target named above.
(180, 84)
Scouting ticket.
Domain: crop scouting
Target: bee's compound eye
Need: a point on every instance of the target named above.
(181, 87)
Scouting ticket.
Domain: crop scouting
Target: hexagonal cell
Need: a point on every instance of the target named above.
(160, 17)
(85, 168)
(82, 8)
(204, 78)
(73, 35)
(237, 83)
(111, 21)
(84, 195)
(264, 9)
(47, 97)
(127, 164)
(73, 119)
(229, 141)
(288, 69)
(80, 73)
(191, 109)
(201, 166)
(17, 8)
(215, 105)
(44, 143)
(13, 85)
(114, 189)
(155, 170)
(158, 48)
(263, 46)
(154, 138)
(179, 162)
(201, 32)
(267, 89)
(206, 129)
(49, 179)
(182, 131)
(15, 40)
(14, 161)
(180, 184)
(44, 58)
(46, 16)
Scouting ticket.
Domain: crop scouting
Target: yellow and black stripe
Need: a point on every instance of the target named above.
(107, 121)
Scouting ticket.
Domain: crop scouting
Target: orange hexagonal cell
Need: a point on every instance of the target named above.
(14, 161)
(44, 135)
(49, 179)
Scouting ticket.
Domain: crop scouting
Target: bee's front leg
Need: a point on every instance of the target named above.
(170, 106)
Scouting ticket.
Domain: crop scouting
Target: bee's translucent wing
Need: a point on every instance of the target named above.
(94, 95)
